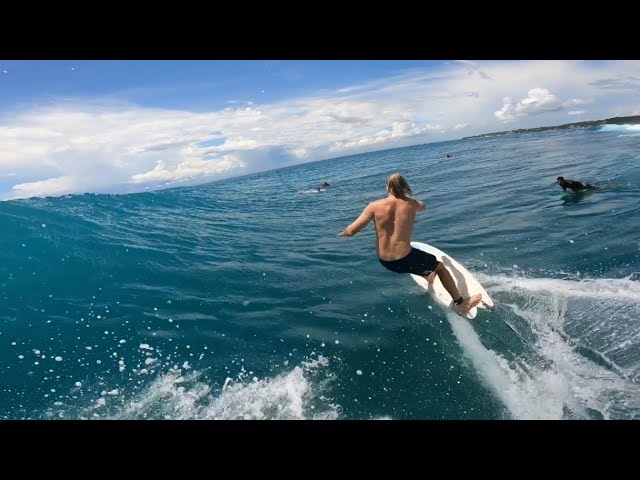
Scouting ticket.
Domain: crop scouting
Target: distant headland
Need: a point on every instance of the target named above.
(634, 120)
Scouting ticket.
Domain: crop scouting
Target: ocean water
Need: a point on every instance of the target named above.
(236, 300)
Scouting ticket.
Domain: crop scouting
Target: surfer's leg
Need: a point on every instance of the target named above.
(463, 304)
(447, 281)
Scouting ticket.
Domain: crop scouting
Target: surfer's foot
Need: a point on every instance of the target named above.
(431, 277)
(468, 303)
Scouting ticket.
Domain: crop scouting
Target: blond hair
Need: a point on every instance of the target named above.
(398, 186)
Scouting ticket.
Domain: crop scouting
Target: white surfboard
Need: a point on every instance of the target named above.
(465, 282)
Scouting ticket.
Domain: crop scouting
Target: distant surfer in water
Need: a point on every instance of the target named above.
(325, 184)
(574, 185)
(394, 218)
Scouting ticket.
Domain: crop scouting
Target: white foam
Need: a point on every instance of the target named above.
(322, 190)
(291, 395)
(565, 379)
(314, 364)
(522, 397)
(620, 128)
(619, 288)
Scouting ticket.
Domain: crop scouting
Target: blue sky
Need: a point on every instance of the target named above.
(186, 84)
(120, 126)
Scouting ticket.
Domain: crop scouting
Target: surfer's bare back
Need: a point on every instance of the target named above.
(394, 218)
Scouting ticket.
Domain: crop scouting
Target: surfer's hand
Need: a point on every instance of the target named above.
(344, 234)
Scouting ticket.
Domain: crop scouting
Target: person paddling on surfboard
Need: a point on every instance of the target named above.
(394, 218)
(574, 185)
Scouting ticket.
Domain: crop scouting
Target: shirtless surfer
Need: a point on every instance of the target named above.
(394, 219)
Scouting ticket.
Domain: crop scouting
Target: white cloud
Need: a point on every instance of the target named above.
(99, 146)
(187, 170)
(507, 112)
(399, 130)
(574, 102)
(50, 187)
(577, 112)
(538, 100)
(620, 82)
(473, 67)
(300, 152)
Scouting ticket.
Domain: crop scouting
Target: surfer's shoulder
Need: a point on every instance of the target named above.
(418, 204)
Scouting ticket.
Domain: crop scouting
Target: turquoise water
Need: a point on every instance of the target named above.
(237, 300)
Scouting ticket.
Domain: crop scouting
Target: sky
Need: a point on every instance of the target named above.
(126, 126)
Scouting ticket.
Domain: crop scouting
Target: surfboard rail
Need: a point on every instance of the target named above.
(465, 281)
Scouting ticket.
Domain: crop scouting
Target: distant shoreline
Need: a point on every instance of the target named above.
(634, 120)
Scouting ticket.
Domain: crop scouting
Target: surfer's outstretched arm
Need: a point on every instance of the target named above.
(365, 217)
